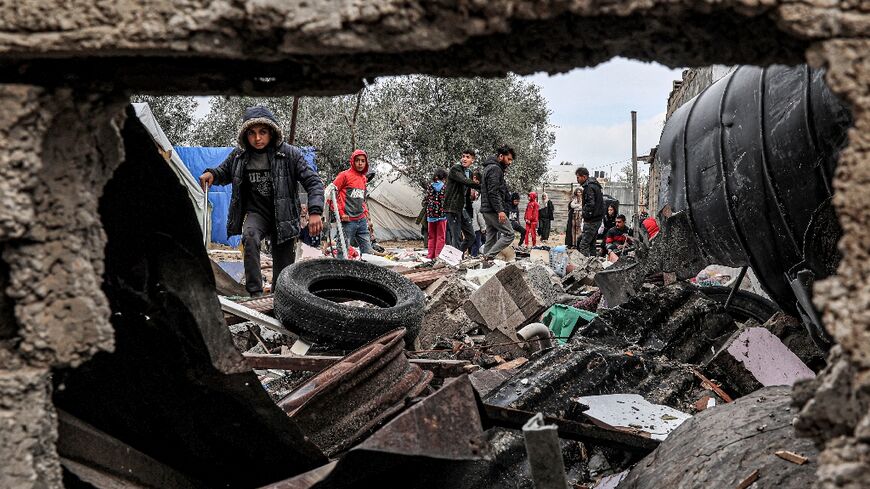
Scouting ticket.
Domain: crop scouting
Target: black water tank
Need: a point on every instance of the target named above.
(751, 161)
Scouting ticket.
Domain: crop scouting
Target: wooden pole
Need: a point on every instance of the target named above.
(634, 178)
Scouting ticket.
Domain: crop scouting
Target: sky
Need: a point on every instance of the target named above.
(592, 110)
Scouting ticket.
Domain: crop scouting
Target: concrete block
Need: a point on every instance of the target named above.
(512, 298)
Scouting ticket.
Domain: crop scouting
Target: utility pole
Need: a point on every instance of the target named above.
(634, 179)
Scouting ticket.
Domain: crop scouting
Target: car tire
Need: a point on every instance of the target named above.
(310, 297)
(745, 305)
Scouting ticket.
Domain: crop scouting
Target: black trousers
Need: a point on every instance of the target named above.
(460, 233)
(587, 237)
(520, 229)
(544, 229)
(254, 229)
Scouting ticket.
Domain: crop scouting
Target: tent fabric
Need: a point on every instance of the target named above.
(164, 147)
(196, 159)
(394, 203)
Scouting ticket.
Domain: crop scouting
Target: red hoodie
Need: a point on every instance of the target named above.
(350, 187)
(532, 208)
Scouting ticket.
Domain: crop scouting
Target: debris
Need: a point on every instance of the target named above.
(345, 402)
(263, 305)
(104, 461)
(249, 314)
(484, 381)
(791, 457)
(703, 403)
(515, 363)
(425, 278)
(537, 336)
(224, 283)
(709, 384)
(611, 481)
(433, 440)
(753, 358)
(596, 433)
(728, 432)
(624, 410)
(450, 256)
(545, 454)
(443, 315)
(562, 320)
(513, 297)
(749, 480)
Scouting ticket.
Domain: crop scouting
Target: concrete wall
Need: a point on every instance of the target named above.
(68, 67)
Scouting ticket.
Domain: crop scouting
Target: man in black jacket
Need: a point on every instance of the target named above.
(264, 172)
(460, 233)
(593, 211)
(493, 204)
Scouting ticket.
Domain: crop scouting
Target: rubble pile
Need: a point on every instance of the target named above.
(615, 381)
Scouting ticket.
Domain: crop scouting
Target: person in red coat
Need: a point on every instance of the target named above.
(532, 218)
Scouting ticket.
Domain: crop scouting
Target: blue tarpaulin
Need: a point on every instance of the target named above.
(197, 159)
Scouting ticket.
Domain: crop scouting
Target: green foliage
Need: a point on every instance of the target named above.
(413, 124)
(174, 114)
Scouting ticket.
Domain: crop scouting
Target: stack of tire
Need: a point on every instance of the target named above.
(311, 296)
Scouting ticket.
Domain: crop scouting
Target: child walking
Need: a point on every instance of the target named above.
(435, 213)
(532, 209)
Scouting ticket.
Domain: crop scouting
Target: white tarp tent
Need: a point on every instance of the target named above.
(164, 147)
(394, 203)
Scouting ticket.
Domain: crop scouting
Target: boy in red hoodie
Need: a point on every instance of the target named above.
(532, 218)
(350, 188)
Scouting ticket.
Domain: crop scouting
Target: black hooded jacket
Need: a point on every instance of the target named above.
(288, 169)
(593, 201)
(494, 193)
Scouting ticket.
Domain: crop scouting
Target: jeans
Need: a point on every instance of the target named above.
(357, 232)
(437, 231)
(587, 237)
(498, 235)
(460, 233)
(254, 229)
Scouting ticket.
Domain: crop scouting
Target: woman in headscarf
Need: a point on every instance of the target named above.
(545, 216)
(575, 219)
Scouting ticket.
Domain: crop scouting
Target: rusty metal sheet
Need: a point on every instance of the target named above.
(421, 445)
(345, 402)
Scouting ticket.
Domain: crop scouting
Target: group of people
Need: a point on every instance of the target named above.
(475, 211)
(471, 211)
(587, 221)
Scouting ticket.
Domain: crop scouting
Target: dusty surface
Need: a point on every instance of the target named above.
(58, 147)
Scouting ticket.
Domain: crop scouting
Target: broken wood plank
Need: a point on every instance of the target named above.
(749, 480)
(707, 383)
(515, 363)
(791, 457)
(316, 363)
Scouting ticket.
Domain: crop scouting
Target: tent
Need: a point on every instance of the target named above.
(164, 147)
(196, 159)
(394, 203)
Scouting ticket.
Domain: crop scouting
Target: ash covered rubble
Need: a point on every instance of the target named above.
(658, 356)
